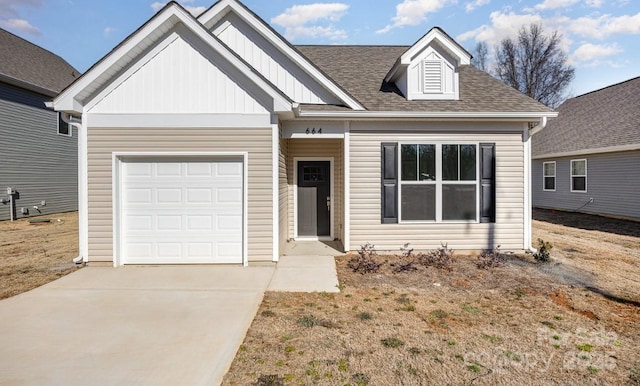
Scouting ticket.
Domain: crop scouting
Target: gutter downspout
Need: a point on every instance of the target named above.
(77, 124)
(531, 132)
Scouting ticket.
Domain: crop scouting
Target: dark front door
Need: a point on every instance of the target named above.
(314, 198)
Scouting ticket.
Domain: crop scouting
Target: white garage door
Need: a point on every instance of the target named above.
(181, 212)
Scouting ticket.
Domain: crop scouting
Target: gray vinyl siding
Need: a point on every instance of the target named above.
(40, 164)
(613, 181)
(102, 142)
(365, 213)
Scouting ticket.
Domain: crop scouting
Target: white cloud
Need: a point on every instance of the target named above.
(413, 12)
(605, 25)
(589, 52)
(595, 3)
(10, 17)
(20, 25)
(555, 4)
(108, 31)
(194, 10)
(503, 25)
(297, 19)
(470, 6)
(8, 7)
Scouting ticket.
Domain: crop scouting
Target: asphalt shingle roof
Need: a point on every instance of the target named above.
(361, 71)
(599, 119)
(29, 63)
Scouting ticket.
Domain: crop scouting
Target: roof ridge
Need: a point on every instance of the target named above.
(606, 87)
(40, 48)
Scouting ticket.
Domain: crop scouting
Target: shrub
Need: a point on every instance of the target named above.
(312, 321)
(366, 261)
(269, 380)
(490, 258)
(405, 261)
(392, 342)
(440, 258)
(544, 248)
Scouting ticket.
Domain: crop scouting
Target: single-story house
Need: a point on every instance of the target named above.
(39, 169)
(588, 159)
(214, 140)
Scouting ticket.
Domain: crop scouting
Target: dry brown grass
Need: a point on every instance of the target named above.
(515, 324)
(33, 255)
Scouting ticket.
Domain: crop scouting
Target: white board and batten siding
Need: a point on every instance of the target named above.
(270, 62)
(103, 142)
(179, 79)
(365, 172)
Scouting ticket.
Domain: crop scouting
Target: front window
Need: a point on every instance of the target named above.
(438, 182)
(549, 175)
(579, 175)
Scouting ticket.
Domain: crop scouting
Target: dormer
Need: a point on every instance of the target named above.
(428, 70)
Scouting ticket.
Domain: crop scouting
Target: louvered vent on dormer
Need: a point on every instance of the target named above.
(432, 76)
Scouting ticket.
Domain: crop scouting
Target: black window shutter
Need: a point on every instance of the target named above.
(389, 160)
(487, 182)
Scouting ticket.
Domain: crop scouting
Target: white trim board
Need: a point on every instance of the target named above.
(586, 152)
(295, 197)
(116, 162)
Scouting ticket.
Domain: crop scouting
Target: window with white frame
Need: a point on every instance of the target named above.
(63, 127)
(438, 182)
(549, 176)
(579, 175)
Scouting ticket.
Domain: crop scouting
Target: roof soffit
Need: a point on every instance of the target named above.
(138, 45)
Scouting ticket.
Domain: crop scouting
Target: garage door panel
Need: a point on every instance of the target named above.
(182, 212)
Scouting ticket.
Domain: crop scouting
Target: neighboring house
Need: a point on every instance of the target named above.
(213, 140)
(588, 159)
(39, 152)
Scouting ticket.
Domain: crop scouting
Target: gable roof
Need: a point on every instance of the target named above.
(594, 122)
(27, 65)
(434, 34)
(123, 57)
(217, 11)
(362, 70)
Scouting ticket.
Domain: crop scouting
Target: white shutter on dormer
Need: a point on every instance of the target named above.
(432, 76)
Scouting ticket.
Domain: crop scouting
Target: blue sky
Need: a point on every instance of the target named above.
(601, 37)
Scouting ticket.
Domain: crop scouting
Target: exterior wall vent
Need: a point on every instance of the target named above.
(432, 79)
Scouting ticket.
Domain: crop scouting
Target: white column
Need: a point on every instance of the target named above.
(347, 189)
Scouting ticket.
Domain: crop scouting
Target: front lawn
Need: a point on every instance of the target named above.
(520, 323)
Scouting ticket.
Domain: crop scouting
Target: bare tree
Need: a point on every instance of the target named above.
(535, 64)
(480, 53)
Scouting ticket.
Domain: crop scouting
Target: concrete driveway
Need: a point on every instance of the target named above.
(130, 326)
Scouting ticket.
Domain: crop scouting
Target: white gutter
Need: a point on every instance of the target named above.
(357, 114)
(77, 124)
(539, 127)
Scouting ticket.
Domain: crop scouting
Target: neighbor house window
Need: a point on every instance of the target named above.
(549, 176)
(579, 175)
(438, 182)
(63, 127)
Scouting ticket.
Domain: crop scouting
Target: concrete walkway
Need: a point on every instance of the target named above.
(142, 325)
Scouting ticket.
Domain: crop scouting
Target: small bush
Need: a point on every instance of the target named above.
(544, 247)
(440, 258)
(366, 261)
(268, 313)
(365, 316)
(406, 261)
(269, 380)
(360, 379)
(491, 258)
(634, 375)
(312, 321)
(392, 342)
